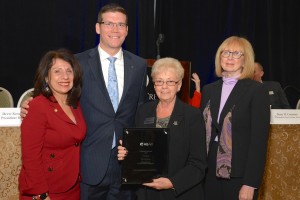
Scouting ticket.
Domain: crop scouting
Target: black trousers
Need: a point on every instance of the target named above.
(110, 187)
(218, 188)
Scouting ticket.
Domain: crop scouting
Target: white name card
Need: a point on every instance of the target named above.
(285, 116)
(10, 117)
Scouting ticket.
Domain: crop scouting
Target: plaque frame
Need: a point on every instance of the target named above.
(147, 156)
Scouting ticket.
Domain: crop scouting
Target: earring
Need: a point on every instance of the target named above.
(47, 89)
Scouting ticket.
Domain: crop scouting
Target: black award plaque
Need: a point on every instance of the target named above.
(147, 156)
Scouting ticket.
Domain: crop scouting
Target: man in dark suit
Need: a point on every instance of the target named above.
(277, 96)
(100, 169)
(106, 116)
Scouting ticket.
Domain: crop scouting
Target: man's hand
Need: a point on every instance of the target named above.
(24, 107)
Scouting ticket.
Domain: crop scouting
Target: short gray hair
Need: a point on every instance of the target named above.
(168, 63)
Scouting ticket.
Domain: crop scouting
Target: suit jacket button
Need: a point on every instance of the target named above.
(52, 155)
(76, 144)
(50, 169)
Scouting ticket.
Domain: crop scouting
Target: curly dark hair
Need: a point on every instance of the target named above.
(47, 61)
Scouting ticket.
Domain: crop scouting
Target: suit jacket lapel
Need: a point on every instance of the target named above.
(175, 119)
(57, 110)
(128, 73)
(215, 103)
(176, 125)
(177, 114)
(97, 72)
(150, 119)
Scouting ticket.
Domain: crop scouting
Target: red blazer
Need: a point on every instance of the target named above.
(195, 101)
(50, 148)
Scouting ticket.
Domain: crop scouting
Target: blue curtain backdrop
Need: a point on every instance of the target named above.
(193, 29)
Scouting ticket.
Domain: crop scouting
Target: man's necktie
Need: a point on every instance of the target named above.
(112, 88)
(112, 85)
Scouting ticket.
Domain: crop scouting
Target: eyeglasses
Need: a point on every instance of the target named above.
(235, 54)
(112, 25)
(169, 83)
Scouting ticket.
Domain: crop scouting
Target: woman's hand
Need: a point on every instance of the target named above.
(122, 151)
(196, 80)
(246, 193)
(160, 184)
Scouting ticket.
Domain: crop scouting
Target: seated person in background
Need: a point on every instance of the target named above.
(196, 99)
(187, 149)
(277, 96)
(52, 131)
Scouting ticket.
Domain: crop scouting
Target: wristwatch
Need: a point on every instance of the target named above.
(40, 197)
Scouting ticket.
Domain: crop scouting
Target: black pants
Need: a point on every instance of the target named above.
(218, 188)
(110, 187)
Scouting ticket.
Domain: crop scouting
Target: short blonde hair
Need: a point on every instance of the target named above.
(167, 63)
(246, 47)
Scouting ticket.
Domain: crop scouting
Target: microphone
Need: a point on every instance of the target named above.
(159, 40)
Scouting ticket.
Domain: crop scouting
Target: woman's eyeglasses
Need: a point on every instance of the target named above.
(235, 54)
(160, 83)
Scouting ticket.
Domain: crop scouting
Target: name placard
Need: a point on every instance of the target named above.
(10, 117)
(285, 116)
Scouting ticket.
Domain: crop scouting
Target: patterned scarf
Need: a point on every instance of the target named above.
(224, 153)
(207, 120)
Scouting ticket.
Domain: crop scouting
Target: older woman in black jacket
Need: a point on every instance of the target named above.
(236, 112)
(187, 156)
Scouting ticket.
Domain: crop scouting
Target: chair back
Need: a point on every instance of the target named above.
(28, 93)
(298, 104)
(6, 100)
(292, 94)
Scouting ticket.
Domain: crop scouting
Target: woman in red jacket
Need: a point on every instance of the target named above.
(195, 101)
(52, 131)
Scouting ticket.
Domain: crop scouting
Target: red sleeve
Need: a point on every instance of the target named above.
(195, 101)
(32, 177)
